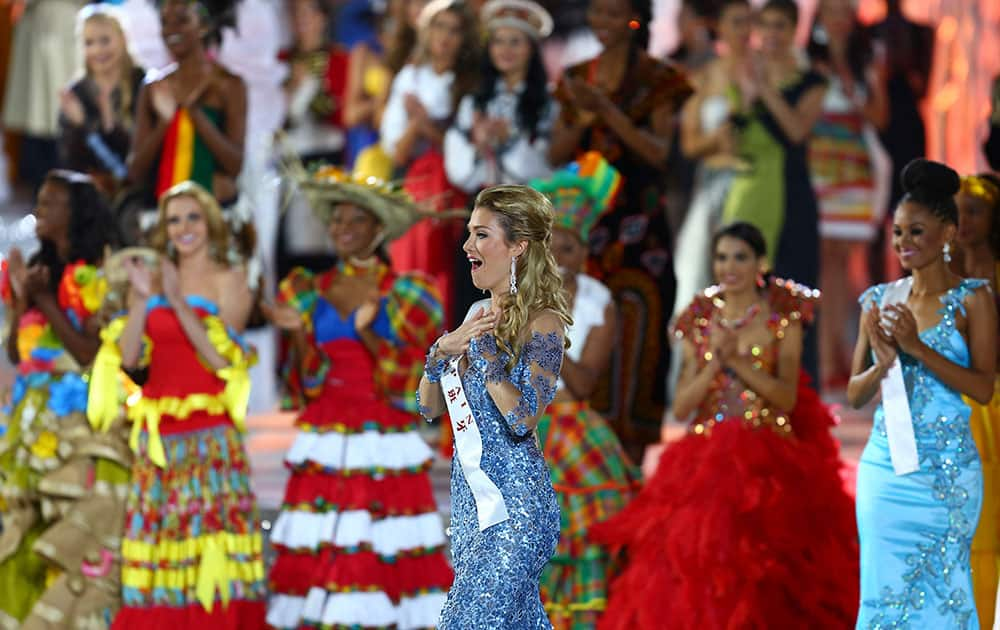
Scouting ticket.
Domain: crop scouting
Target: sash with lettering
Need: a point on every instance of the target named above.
(490, 506)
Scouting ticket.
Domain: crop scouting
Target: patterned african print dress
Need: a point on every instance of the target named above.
(593, 478)
(191, 553)
(62, 494)
(631, 253)
(359, 538)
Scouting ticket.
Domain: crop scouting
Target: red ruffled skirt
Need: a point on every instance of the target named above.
(359, 540)
(744, 529)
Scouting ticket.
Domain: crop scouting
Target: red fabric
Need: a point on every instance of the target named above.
(238, 615)
(339, 571)
(336, 82)
(744, 529)
(175, 369)
(429, 246)
(396, 495)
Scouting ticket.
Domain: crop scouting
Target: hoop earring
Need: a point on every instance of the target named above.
(513, 275)
(947, 252)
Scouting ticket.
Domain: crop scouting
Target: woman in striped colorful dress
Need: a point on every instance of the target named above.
(359, 538)
(591, 474)
(192, 547)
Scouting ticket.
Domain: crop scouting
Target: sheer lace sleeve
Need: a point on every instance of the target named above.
(531, 385)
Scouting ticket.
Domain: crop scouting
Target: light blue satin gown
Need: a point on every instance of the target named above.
(916, 529)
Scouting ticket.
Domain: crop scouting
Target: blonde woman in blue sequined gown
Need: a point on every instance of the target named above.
(509, 353)
(916, 528)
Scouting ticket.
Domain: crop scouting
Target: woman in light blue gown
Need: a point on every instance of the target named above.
(509, 350)
(916, 527)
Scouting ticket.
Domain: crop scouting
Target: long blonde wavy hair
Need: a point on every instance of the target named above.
(218, 229)
(526, 215)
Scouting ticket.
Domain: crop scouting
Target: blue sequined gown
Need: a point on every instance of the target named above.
(497, 571)
(916, 529)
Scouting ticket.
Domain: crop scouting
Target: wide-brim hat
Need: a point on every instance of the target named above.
(326, 187)
(581, 192)
(524, 15)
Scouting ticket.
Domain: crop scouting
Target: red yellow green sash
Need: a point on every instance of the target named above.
(184, 155)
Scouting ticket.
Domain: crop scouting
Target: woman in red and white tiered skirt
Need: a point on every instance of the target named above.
(359, 538)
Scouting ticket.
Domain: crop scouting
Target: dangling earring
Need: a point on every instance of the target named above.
(947, 252)
(760, 280)
(513, 275)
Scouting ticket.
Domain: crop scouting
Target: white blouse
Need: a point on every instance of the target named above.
(521, 158)
(432, 89)
(591, 300)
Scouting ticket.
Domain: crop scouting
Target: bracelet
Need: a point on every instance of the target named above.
(434, 366)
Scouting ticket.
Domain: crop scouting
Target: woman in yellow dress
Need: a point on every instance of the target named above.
(977, 255)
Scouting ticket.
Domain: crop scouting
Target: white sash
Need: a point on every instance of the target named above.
(895, 404)
(490, 506)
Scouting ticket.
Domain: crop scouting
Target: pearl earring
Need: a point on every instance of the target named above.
(947, 252)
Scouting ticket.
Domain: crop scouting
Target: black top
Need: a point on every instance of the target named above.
(78, 146)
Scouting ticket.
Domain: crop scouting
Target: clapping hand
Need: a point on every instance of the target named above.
(881, 342)
(171, 282)
(139, 279)
(456, 342)
(902, 326)
(163, 99)
(36, 281)
(366, 313)
(71, 107)
(17, 272)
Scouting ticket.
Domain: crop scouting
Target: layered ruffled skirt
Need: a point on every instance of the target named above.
(192, 549)
(744, 528)
(62, 508)
(359, 538)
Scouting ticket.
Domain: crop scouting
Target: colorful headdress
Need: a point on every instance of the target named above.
(524, 15)
(581, 192)
(981, 187)
(327, 186)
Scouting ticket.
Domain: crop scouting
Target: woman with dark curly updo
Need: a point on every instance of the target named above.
(925, 341)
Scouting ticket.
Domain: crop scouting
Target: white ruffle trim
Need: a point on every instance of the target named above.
(350, 609)
(364, 451)
(422, 611)
(387, 537)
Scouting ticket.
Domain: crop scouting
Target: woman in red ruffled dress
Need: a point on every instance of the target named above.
(192, 552)
(360, 542)
(745, 523)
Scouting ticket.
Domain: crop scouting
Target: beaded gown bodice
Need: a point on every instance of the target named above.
(729, 397)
